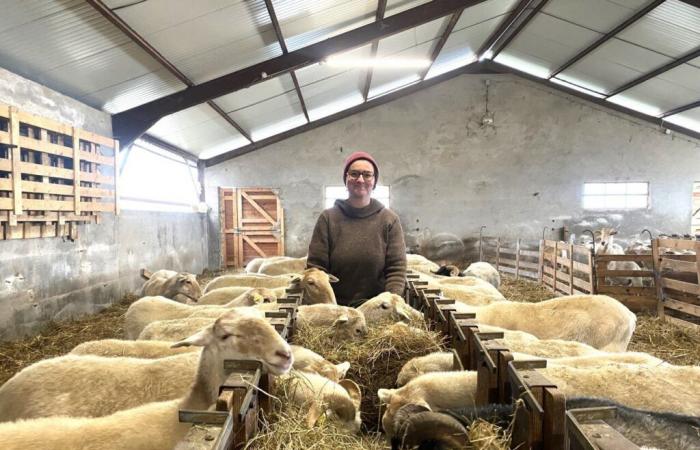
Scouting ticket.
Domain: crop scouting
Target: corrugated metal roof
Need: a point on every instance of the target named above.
(304, 22)
(689, 119)
(672, 28)
(256, 94)
(598, 15)
(411, 38)
(545, 44)
(18, 13)
(207, 38)
(612, 65)
(471, 31)
(200, 130)
(396, 6)
(671, 89)
(388, 79)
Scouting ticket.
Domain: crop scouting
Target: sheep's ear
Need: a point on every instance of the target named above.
(341, 320)
(313, 415)
(386, 304)
(385, 395)
(333, 278)
(181, 277)
(353, 389)
(342, 368)
(199, 339)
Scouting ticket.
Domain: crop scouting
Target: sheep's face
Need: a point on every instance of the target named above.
(259, 296)
(185, 288)
(252, 338)
(351, 326)
(317, 287)
(334, 372)
(388, 307)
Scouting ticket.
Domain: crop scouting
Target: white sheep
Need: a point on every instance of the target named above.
(149, 309)
(133, 349)
(467, 290)
(347, 323)
(221, 296)
(388, 307)
(596, 320)
(340, 401)
(152, 426)
(254, 264)
(250, 280)
(432, 362)
(309, 361)
(419, 263)
(282, 266)
(179, 286)
(484, 271)
(173, 330)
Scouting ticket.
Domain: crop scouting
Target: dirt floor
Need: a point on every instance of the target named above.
(670, 342)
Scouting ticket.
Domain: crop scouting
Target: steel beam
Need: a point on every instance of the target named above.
(505, 28)
(130, 124)
(607, 36)
(381, 9)
(169, 147)
(522, 20)
(681, 109)
(441, 43)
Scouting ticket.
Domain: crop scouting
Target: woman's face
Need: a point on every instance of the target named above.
(360, 187)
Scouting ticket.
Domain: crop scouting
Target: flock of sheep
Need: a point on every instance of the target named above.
(127, 393)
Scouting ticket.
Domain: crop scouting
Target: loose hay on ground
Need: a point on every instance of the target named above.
(521, 290)
(375, 361)
(668, 341)
(485, 435)
(58, 338)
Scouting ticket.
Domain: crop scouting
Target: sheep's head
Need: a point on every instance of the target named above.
(448, 270)
(234, 336)
(316, 285)
(183, 287)
(388, 307)
(393, 400)
(258, 296)
(334, 372)
(350, 326)
(415, 425)
(344, 409)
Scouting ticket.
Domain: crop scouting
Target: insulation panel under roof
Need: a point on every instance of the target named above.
(671, 89)
(207, 38)
(672, 29)
(688, 119)
(598, 15)
(612, 65)
(199, 129)
(545, 44)
(305, 22)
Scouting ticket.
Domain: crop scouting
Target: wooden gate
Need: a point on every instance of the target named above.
(252, 225)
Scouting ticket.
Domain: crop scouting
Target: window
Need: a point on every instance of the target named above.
(615, 195)
(154, 179)
(333, 193)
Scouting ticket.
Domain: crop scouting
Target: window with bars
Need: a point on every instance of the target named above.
(333, 193)
(615, 195)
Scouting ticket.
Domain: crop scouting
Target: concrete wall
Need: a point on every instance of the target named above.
(450, 174)
(55, 279)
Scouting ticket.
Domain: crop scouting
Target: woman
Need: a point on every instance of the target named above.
(359, 240)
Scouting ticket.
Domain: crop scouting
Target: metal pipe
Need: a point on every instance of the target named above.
(544, 230)
(592, 237)
(651, 237)
(481, 243)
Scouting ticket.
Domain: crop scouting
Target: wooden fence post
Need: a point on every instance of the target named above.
(540, 263)
(554, 263)
(591, 277)
(657, 278)
(498, 253)
(571, 269)
(517, 259)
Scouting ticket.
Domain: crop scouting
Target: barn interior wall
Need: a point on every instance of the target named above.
(56, 279)
(451, 172)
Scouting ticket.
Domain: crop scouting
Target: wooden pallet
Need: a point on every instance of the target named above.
(53, 176)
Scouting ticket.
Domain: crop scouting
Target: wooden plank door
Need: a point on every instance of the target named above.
(252, 225)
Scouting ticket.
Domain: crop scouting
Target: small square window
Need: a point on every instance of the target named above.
(615, 196)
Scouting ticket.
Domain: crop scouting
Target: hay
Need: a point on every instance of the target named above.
(58, 338)
(485, 435)
(521, 290)
(375, 361)
(285, 428)
(670, 342)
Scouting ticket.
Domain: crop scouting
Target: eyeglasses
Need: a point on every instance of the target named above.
(355, 174)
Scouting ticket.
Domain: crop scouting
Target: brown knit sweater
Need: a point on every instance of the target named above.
(363, 247)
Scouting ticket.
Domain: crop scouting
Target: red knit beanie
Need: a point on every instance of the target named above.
(357, 156)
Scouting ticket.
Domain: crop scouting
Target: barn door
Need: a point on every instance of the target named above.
(252, 225)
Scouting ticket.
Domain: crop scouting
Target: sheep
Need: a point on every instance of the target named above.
(484, 271)
(91, 386)
(174, 329)
(254, 264)
(448, 270)
(468, 290)
(306, 360)
(347, 323)
(662, 388)
(432, 362)
(149, 309)
(282, 266)
(388, 307)
(417, 426)
(225, 295)
(421, 264)
(181, 287)
(339, 401)
(250, 280)
(596, 320)
(134, 349)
